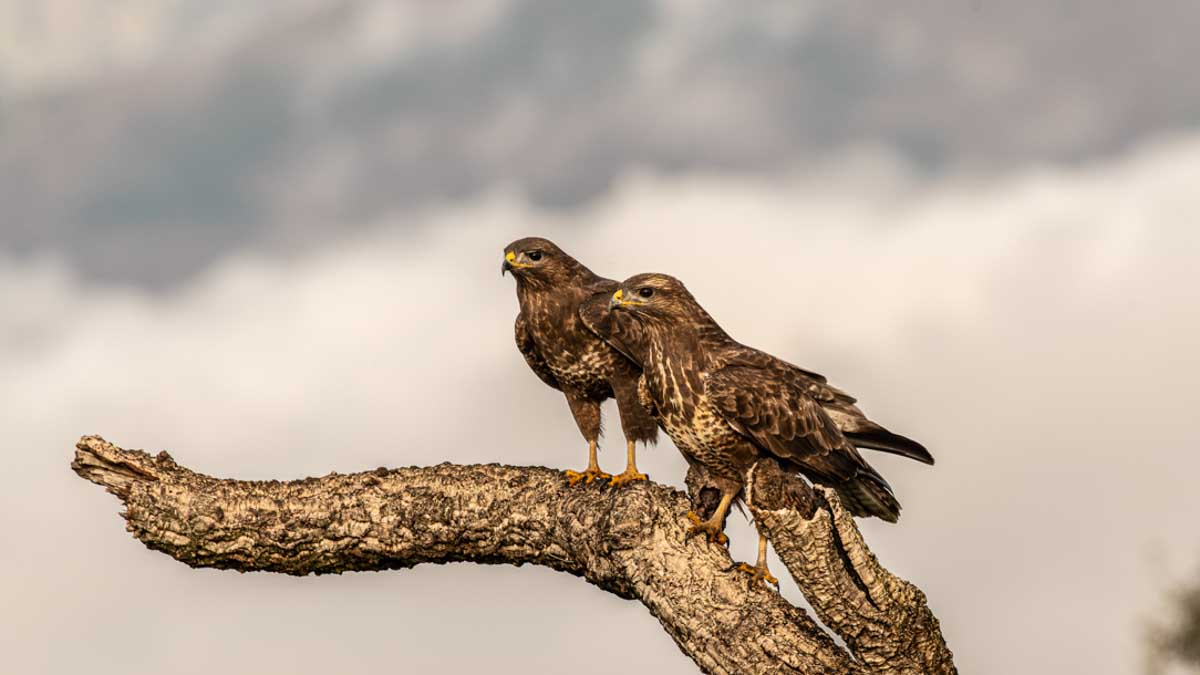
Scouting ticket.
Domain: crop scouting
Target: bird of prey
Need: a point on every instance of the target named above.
(725, 405)
(566, 355)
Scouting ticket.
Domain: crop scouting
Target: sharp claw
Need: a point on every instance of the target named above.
(627, 477)
(758, 574)
(711, 531)
(587, 476)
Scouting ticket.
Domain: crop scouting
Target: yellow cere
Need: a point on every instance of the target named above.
(510, 256)
(617, 295)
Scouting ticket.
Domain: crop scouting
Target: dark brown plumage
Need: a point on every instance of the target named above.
(725, 404)
(566, 355)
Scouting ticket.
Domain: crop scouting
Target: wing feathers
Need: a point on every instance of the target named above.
(869, 495)
(781, 418)
(773, 409)
(885, 441)
(530, 351)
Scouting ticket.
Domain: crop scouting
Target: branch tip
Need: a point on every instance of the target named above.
(114, 468)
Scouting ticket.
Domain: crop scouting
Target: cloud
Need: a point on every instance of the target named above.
(205, 128)
(58, 44)
(1033, 330)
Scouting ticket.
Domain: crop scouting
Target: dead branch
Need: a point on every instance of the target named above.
(629, 542)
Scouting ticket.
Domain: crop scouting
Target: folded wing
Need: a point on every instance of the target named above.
(530, 351)
(775, 411)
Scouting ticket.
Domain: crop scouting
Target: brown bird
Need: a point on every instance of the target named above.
(725, 404)
(565, 354)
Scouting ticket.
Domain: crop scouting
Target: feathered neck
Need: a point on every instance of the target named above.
(701, 333)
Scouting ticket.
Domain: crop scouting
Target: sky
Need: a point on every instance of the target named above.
(265, 238)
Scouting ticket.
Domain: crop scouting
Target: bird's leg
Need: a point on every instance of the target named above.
(591, 473)
(759, 571)
(631, 473)
(712, 527)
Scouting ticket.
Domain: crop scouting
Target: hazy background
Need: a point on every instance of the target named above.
(266, 236)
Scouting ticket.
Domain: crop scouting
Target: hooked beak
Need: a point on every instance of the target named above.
(619, 300)
(510, 263)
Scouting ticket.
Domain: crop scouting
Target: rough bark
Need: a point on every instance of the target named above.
(629, 541)
(884, 620)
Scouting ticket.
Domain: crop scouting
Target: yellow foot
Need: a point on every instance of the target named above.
(758, 573)
(628, 477)
(586, 476)
(711, 530)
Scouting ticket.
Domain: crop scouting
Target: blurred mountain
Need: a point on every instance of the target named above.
(151, 138)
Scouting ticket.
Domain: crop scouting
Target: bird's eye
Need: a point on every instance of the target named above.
(534, 255)
(646, 292)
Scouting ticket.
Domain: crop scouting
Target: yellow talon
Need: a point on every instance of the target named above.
(711, 529)
(586, 476)
(627, 477)
(758, 574)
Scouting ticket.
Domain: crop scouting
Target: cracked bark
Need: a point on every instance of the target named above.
(884, 620)
(629, 542)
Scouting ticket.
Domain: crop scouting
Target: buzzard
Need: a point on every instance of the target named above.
(565, 354)
(725, 404)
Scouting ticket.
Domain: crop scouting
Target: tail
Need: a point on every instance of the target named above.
(881, 439)
(868, 494)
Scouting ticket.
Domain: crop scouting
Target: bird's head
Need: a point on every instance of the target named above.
(538, 261)
(655, 296)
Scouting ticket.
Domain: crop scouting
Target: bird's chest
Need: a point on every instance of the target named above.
(685, 412)
(585, 367)
(578, 359)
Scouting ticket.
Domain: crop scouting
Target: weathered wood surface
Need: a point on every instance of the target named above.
(628, 541)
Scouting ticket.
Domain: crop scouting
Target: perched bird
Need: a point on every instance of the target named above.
(725, 405)
(565, 354)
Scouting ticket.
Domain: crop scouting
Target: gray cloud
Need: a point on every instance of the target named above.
(300, 123)
(1031, 329)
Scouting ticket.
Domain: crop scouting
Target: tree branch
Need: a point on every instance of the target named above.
(883, 619)
(629, 542)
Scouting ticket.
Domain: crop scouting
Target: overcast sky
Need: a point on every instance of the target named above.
(265, 238)
(155, 137)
